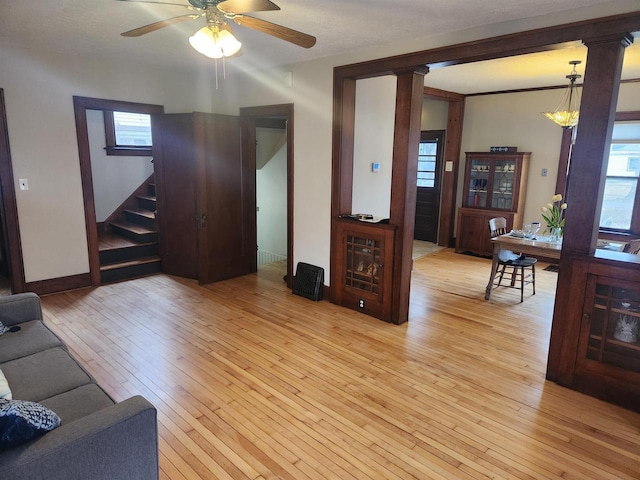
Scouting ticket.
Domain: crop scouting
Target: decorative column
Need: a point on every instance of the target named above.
(404, 175)
(587, 172)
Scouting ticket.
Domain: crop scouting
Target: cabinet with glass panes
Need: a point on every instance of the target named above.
(612, 324)
(494, 186)
(364, 251)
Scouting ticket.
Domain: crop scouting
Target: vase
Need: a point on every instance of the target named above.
(556, 234)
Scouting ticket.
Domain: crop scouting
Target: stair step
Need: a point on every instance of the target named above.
(141, 212)
(147, 202)
(141, 216)
(129, 270)
(135, 232)
(127, 253)
(129, 263)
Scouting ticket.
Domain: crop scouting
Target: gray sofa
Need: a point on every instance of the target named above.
(99, 438)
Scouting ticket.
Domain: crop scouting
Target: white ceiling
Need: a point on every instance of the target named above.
(93, 27)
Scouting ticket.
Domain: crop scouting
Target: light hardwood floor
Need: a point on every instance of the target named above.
(253, 382)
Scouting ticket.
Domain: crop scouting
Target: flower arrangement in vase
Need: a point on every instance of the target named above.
(553, 215)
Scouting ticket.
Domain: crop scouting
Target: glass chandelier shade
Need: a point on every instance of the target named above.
(567, 112)
(215, 43)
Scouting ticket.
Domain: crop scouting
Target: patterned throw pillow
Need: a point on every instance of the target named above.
(21, 421)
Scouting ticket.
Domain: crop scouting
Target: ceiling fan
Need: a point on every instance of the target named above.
(216, 39)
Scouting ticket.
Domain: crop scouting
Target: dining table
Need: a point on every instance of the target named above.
(539, 246)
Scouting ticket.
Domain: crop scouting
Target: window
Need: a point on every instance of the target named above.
(621, 192)
(427, 154)
(127, 133)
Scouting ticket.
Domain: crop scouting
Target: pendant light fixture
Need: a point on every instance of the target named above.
(215, 40)
(567, 112)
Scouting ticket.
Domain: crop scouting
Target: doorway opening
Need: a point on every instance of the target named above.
(429, 183)
(267, 143)
(87, 109)
(271, 191)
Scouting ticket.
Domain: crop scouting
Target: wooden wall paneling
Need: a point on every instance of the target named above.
(406, 142)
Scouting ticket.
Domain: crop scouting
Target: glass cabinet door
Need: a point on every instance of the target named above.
(364, 263)
(479, 183)
(503, 184)
(614, 336)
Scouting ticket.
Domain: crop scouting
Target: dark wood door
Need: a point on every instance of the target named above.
(226, 198)
(176, 178)
(206, 196)
(428, 182)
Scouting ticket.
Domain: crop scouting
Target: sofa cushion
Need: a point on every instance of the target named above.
(32, 337)
(44, 374)
(21, 421)
(79, 402)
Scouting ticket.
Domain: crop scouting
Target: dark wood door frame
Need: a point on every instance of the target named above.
(12, 228)
(249, 116)
(452, 147)
(80, 107)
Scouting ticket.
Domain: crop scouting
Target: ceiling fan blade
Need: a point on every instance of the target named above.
(152, 27)
(278, 31)
(245, 6)
(159, 3)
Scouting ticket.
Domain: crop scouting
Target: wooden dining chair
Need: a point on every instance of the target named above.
(522, 269)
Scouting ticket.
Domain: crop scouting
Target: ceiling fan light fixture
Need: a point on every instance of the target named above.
(215, 43)
(567, 113)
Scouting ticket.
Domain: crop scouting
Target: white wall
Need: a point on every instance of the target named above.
(271, 193)
(39, 89)
(435, 114)
(373, 143)
(115, 177)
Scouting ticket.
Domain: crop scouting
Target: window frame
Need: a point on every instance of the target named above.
(112, 148)
(634, 227)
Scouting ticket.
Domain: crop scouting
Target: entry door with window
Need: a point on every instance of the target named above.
(428, 182)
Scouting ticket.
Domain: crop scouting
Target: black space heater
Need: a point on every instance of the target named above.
(308, 281)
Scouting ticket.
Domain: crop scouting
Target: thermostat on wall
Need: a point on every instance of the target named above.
(375, 167)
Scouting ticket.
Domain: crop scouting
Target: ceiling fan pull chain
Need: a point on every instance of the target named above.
(215, 61)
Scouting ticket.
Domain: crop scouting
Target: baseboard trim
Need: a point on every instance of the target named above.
(61, 284)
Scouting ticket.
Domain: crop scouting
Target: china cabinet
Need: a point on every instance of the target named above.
(494, 186)
(364, 267)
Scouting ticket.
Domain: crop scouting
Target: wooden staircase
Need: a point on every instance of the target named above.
(129, 247)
